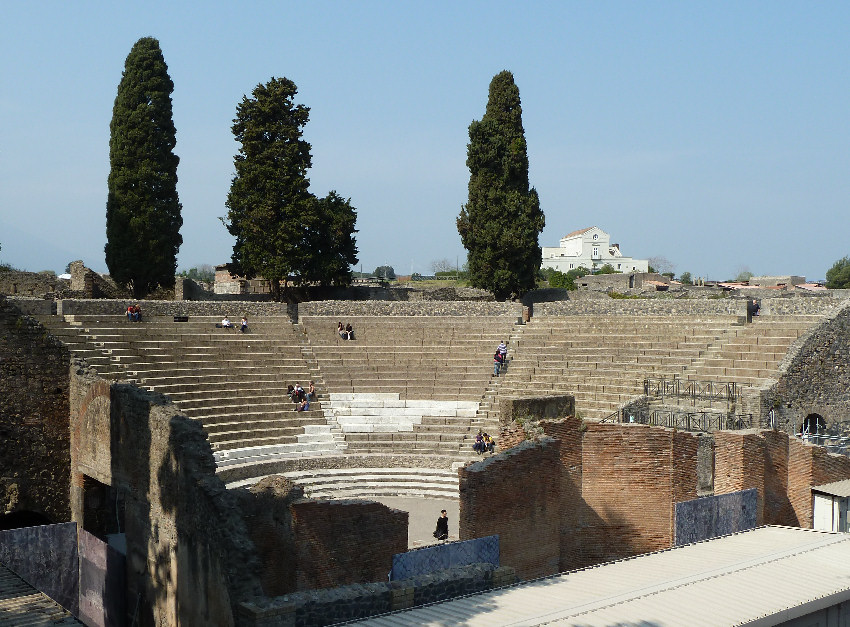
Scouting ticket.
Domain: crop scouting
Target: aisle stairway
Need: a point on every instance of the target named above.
(436, 369)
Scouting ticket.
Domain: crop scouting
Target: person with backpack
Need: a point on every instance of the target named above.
(498, 362)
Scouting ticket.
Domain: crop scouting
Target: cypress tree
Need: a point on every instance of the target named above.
(142, 208)
(283, 231)
(502, 219)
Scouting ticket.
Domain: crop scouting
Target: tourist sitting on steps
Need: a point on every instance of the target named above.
(299, 396)
(478, 445)
(349, 330)
(243, 325)
(489, 444)
(226, 323)
(341, 330)
(134, 313)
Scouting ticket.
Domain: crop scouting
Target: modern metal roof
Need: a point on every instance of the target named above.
(21, 604)
(757, 577)
(836, 488)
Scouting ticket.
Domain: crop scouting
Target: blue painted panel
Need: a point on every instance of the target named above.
(714, 516)
(442, 556)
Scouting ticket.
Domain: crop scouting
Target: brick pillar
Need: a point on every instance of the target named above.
(739, 464)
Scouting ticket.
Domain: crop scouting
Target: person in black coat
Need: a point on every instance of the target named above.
(442, 530)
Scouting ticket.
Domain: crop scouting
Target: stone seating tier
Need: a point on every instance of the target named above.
(346, 483)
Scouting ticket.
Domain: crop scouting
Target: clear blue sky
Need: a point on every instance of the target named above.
(714, 134)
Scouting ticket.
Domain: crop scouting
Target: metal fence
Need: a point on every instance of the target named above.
(686, 421)
(832, 443)
(727, 392)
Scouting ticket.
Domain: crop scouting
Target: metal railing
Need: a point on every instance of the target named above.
(833, 443)
(728, 392)
(686, 421)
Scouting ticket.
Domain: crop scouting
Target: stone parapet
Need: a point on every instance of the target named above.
(643, 306)
(537, 408)
(336, 605)
(171, 308)
(342, 308)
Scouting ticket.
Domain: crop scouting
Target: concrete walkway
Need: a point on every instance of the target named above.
(423, 514)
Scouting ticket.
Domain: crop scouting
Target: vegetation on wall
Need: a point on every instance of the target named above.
(564, 280)
(500, 223)
(204, 273)
(282, 231)
(143, 216)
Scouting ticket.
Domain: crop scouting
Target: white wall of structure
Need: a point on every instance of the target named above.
(592, 249)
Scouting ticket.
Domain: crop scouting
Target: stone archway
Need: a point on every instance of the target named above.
(814, 424)
(23, 518)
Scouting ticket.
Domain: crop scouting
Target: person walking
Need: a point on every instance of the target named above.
(498, 360)
(442, 530)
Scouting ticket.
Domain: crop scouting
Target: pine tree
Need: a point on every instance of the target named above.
(282, 230)
(500, 223)
(142, 208)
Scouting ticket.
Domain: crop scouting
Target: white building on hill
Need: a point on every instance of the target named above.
(591, 248)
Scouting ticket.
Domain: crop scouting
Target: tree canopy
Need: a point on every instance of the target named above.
(385, 272)
(282, 230)
(143, 216)
(501, 221)
(838, 276)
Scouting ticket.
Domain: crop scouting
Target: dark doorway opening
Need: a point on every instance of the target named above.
(814, 424)
(103, 509)
(18, 520)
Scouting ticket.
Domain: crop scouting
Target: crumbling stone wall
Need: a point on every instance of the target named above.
(402, 308)
(536, 408)
(188, 551)
(265, 508)
(34, 433)
(647, 306)
(306, 544)
(19, 283)
(345, 542)
(815, 377)
(517, 496)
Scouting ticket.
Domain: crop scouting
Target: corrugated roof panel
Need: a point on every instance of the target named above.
(673, 587)
(836, 488)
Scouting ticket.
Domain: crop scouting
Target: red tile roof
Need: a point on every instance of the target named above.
(578, 232)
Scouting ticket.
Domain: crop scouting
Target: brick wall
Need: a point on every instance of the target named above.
(632, 476)
(739, 464)
(34, 433)
(808, 466)
(782, 468)
(569, 432)
(776, 508)
(265, 508)
(516, 495)
(344, 542)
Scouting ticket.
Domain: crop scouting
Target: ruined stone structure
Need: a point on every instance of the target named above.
(605, 491)
(34, 410)
(172, 421)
